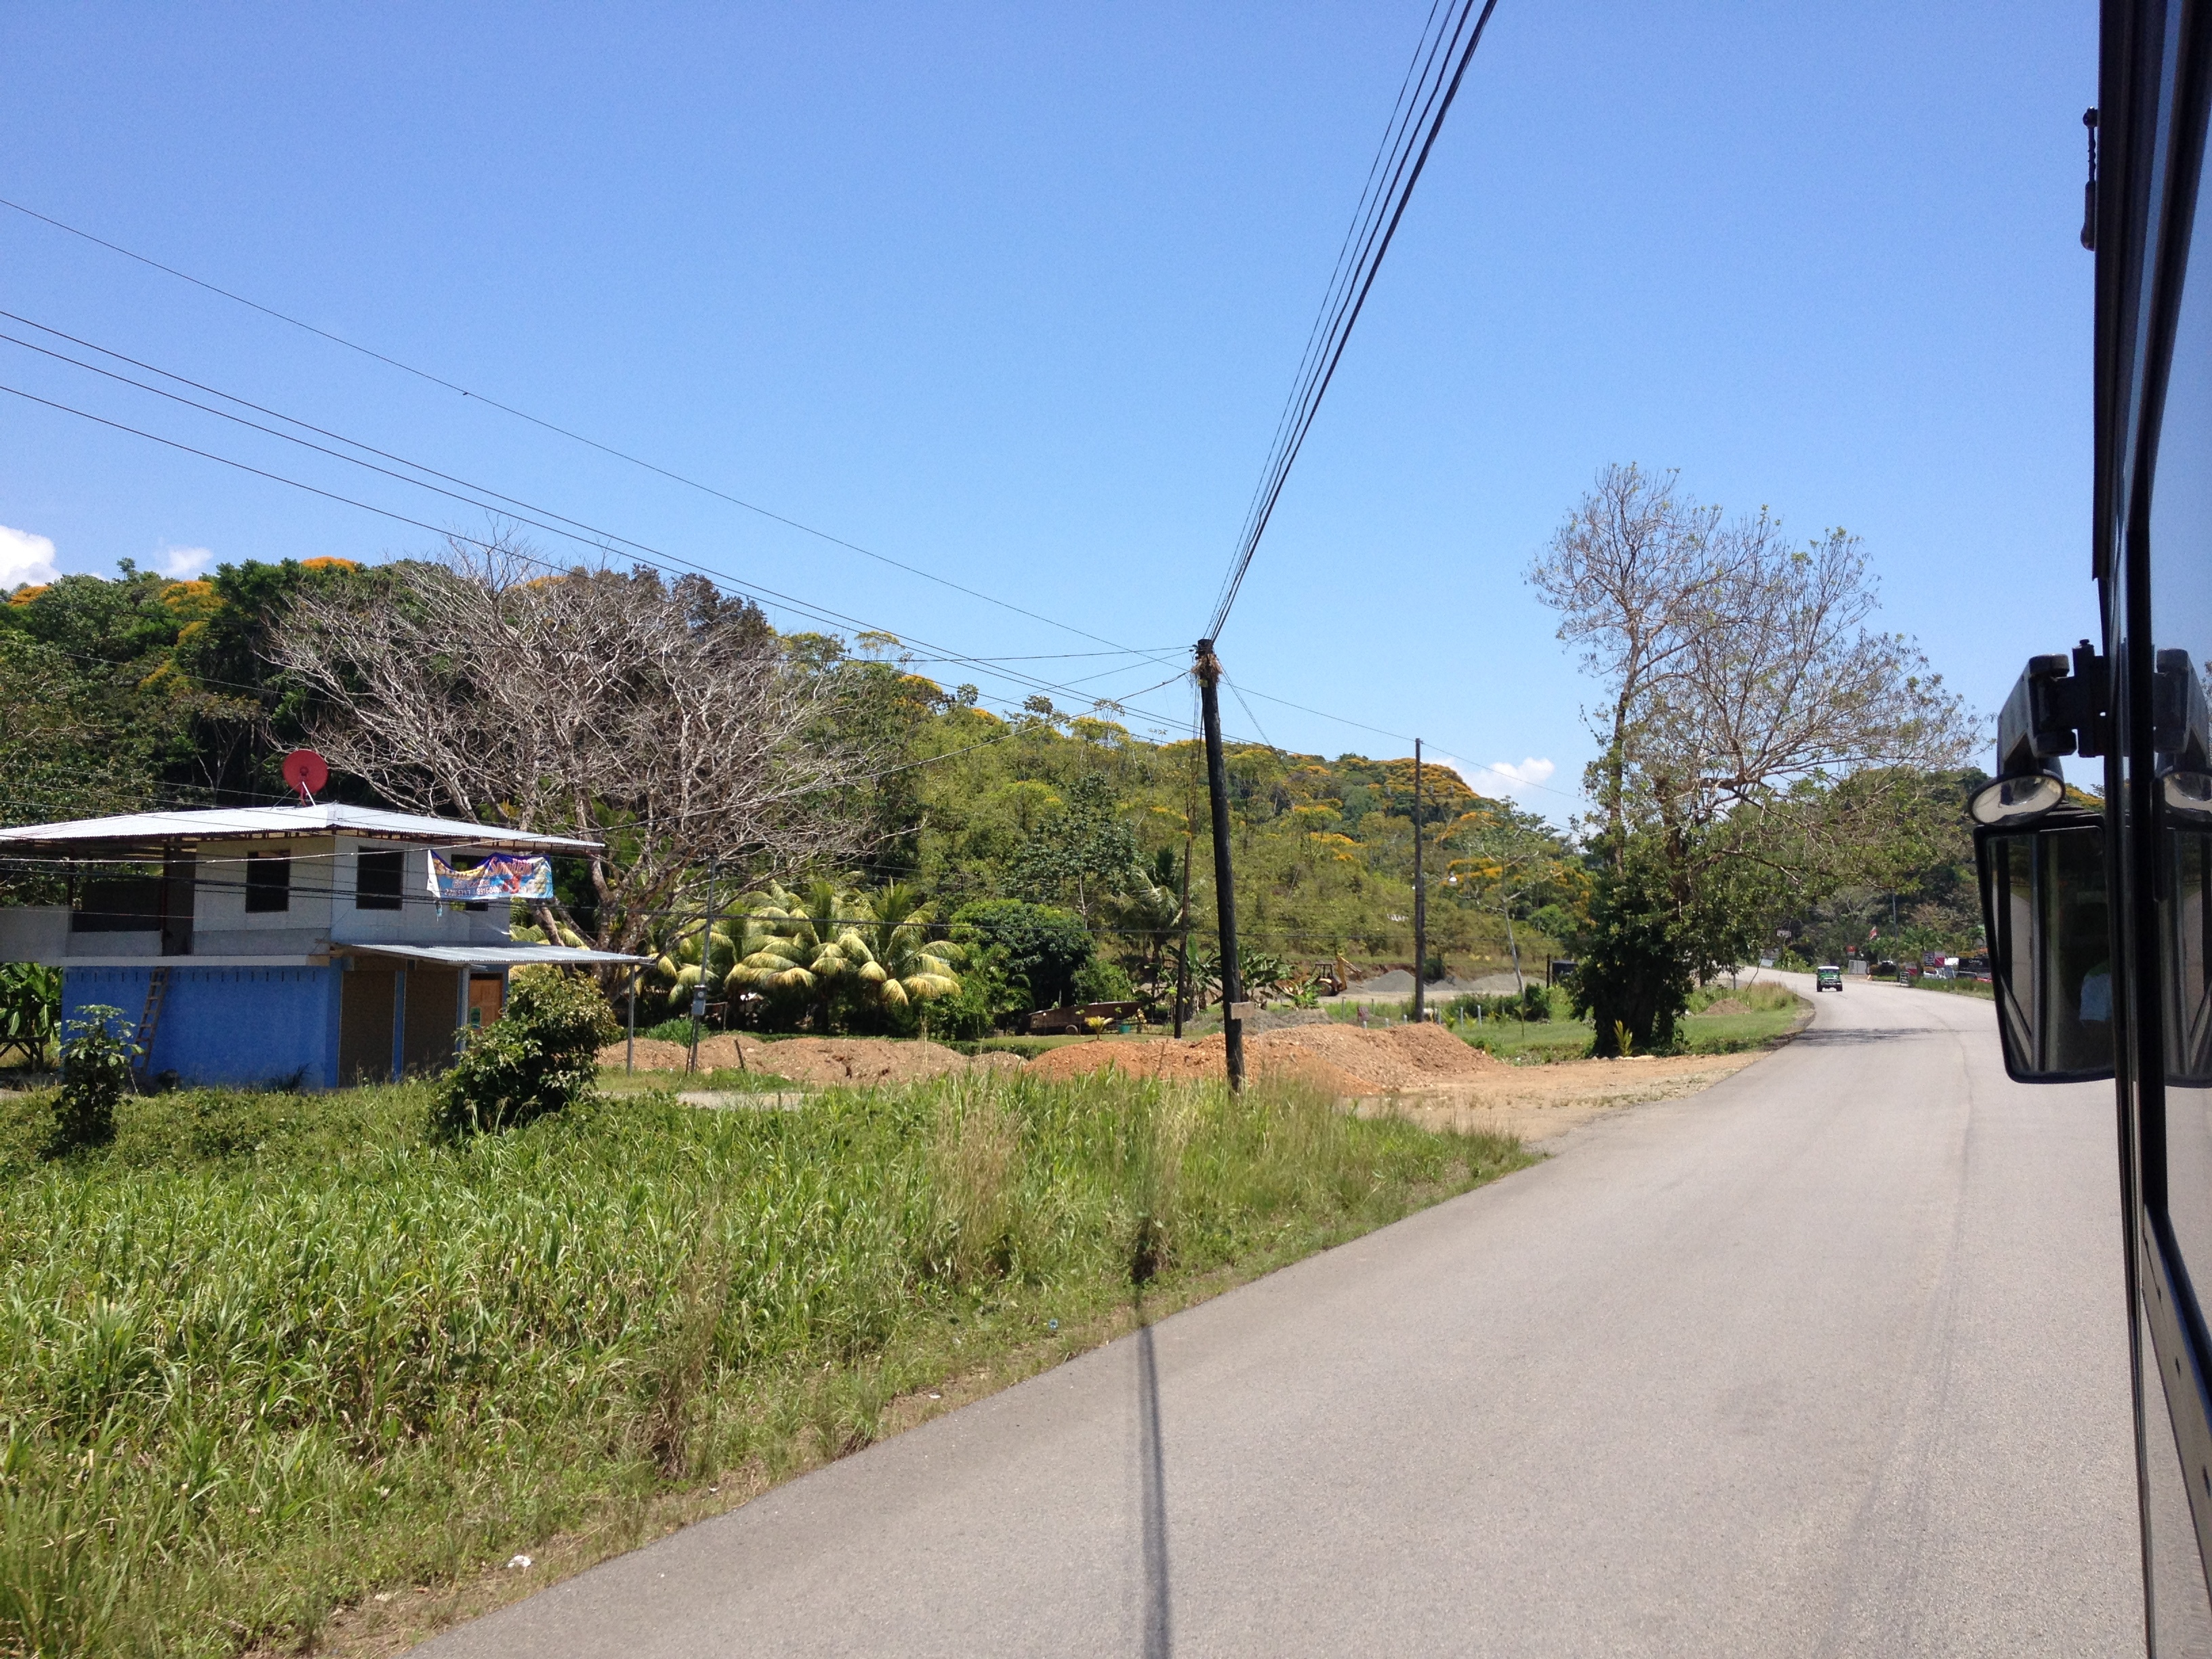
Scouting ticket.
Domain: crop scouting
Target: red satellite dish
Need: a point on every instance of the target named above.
(307, 772)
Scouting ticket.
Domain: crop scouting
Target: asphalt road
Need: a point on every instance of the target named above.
(1828, 1360)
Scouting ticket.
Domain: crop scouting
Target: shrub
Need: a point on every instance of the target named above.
(538, 1057)
(1101, 981)
(1532, 1002)
(96, 1074)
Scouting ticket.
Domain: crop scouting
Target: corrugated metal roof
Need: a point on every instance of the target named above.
(497, 956)
(252, 823)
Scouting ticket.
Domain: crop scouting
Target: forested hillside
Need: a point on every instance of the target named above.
(1036, 822)
(831, 781)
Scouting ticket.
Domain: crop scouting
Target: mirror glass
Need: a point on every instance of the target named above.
(2043, 899)
(2186, 917)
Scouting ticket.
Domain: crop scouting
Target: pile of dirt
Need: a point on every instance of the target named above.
(1342, 1058)
(1727, 1006)
(857, 1061)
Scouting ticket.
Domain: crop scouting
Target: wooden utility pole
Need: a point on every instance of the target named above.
(1420, 901)
(699, 988)
(1182, 932)
(1233, 1005)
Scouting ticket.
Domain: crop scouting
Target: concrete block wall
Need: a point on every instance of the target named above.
(227, 1025)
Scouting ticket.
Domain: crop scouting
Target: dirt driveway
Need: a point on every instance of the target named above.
(1542, 1103)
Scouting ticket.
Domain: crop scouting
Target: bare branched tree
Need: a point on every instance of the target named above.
(1760, 737)
(1740, 670)
(667, 721)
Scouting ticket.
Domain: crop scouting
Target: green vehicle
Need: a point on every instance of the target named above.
(1827, 978)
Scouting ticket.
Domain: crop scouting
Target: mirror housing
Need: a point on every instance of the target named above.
(2051, 711)
(2046, 911)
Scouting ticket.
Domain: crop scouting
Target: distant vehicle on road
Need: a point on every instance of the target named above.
(1825, 978)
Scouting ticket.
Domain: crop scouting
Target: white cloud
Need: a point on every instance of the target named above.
(25, 558)
(182, 563)
(1522, 782)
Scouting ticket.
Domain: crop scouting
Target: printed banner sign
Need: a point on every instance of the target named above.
(501, 876)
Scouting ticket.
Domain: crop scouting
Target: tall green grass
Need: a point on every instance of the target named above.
(267, 1354)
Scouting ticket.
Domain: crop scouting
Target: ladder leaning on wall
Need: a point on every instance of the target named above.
(157, 993)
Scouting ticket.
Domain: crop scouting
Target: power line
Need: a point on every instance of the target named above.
(599, 540)
(559, 430)
(1443, 61)
(753, 590)
(1347, 265)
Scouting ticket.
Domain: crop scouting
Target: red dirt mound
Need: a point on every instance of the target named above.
(1342, 1059)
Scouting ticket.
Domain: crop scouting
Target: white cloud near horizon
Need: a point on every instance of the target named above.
(1523, 782)
(25, 558)
(183, 563)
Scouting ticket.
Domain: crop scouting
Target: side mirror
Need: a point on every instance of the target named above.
(2050, 945)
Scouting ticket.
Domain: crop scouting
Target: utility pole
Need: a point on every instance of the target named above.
(1182, 934)
(1233, 1005)
(1420, 901)
(698, 986)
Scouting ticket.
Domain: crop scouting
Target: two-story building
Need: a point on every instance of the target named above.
(307, 945)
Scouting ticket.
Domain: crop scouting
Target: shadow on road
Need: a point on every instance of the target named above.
(1153, 1498)
(1856, 1035)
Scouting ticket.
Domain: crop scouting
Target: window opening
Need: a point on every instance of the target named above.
(376, 880)
(268, 881)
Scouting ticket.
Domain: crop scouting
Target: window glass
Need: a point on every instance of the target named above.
(2181, 546)
(376, 880)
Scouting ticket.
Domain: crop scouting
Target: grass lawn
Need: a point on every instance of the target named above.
(1957, 987)
(1767, 1012)
(270, 1362)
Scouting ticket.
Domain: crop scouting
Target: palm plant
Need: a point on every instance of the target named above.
(902, 964)
(823, 937)
(806, 943)
(712, 952)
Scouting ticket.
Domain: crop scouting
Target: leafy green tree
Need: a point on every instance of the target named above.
(68, 748)
(1041, 951)
(1083, 855)
(1635, 965)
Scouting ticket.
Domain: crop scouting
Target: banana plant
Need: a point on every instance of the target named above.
(30, 999)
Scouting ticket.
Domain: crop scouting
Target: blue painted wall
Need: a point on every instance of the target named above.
(240, 1025)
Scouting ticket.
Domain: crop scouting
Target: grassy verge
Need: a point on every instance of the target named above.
(1957, 987)
(1721, 1021)
(718, 1080)
(270, 1357)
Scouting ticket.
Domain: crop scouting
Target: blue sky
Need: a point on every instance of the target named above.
(1015, 295)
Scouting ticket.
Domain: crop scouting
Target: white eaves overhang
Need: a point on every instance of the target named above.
(495, 955)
